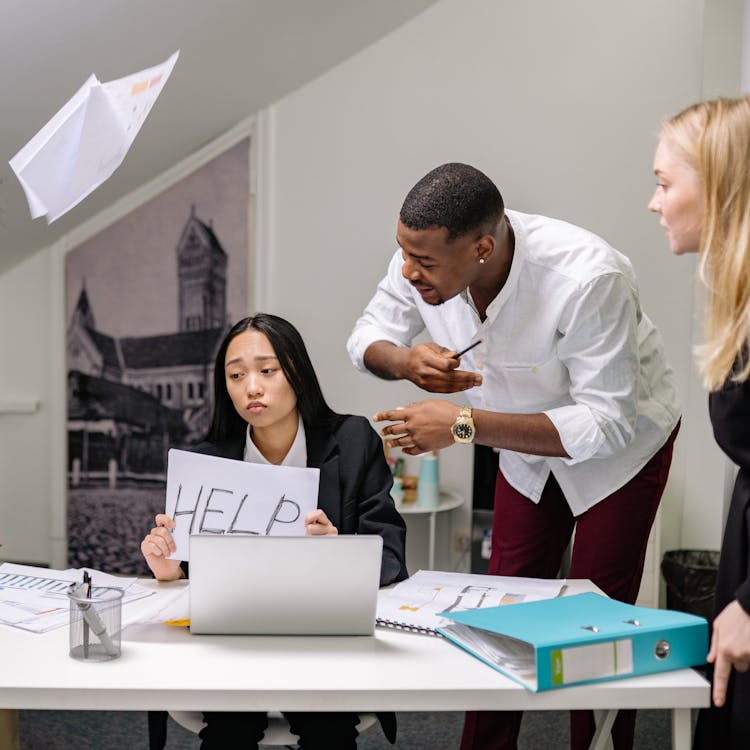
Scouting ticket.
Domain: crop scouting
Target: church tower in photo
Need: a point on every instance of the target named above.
(202, 274)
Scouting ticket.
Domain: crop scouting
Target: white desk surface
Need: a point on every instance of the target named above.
(164, 667)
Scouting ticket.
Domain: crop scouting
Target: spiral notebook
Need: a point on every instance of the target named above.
(416, 604)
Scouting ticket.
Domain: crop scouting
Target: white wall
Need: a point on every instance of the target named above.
(558, 102)
(33, 476)
(27, 369)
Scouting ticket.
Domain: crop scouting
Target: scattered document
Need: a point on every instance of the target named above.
(170, 607)
(211, 495)
(418, 603)
(36, 599)
(83, 144)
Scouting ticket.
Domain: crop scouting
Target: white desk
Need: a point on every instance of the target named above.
(448, 501)
(165, 667)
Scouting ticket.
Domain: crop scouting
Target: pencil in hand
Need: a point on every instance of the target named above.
(458, 355)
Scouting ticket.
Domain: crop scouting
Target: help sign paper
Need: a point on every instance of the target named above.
(210, 495)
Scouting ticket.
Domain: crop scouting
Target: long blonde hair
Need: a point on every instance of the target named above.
(714, 138)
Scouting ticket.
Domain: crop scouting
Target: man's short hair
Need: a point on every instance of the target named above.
(455, 196)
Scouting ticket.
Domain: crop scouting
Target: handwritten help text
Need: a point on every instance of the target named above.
(204, 527)
(210, 495)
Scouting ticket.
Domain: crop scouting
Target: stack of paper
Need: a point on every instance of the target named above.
(36, 599)
(507, 653)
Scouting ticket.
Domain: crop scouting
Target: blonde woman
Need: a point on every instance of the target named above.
(702, 166)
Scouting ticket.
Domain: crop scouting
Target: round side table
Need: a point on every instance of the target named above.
(448, 501)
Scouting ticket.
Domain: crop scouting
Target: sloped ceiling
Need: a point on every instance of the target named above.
(236, 57)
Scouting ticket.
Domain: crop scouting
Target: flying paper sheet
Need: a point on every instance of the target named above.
(83, 144)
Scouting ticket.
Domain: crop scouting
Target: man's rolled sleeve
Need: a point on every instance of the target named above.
(579, 432)
(391, 315)
(362, 336)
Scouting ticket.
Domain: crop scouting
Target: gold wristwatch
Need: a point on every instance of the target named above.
(463, 429)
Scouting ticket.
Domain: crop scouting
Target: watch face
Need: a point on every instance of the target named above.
(463, 431)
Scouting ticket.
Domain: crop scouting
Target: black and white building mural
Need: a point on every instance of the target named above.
(131, 395)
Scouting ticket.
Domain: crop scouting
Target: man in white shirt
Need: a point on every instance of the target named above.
(569, 384)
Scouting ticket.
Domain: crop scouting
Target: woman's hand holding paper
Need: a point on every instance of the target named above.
(157, 546)
(317, 523)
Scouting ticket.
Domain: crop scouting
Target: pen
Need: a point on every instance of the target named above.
(91, 619)
(470, 346)
(87, 589)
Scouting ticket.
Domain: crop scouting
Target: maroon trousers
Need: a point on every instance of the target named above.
(530, 539)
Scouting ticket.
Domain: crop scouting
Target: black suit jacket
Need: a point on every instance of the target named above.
(730, 417)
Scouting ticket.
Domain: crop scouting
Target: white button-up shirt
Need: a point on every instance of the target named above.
(297, 455)
(565, 336)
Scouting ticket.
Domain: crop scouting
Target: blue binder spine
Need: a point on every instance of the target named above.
(607, 658)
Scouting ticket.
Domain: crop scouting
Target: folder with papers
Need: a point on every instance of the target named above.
(578, 639)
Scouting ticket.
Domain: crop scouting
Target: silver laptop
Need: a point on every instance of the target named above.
(284, 585)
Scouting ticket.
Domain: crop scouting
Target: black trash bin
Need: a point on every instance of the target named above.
(691, 580)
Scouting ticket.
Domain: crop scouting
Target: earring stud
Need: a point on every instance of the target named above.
(481, 260)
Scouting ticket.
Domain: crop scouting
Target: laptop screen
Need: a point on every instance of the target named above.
(277, 585)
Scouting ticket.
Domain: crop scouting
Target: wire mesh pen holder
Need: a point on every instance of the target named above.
(95, 622)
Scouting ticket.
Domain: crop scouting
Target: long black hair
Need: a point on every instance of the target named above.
(226, 423)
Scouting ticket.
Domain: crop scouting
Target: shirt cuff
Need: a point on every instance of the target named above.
(579, 433)
(361, 339)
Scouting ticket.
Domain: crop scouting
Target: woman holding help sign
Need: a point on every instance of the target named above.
(269, 408)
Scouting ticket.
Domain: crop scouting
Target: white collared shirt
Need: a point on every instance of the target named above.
(565, 336)
(297, 455)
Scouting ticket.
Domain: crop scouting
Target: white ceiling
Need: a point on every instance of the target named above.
(236, 57)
